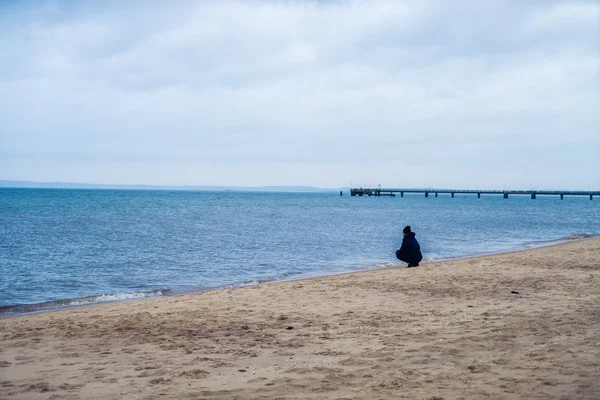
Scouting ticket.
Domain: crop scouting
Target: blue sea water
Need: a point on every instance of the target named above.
(64, 247)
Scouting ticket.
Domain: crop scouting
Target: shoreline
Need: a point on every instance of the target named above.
(166, 292)
(524, 324)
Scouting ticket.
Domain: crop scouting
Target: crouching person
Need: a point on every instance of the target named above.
(410, 251)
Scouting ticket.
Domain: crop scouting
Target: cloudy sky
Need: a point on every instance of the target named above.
(462, 94)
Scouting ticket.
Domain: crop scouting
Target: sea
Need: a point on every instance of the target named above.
(73, 247)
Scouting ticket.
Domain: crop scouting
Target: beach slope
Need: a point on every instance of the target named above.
(515, 325)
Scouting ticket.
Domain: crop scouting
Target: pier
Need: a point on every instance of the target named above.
(378, 192)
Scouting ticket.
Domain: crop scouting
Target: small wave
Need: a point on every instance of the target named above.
(106, 298)
(16, 309)
(282, 277)
(578, 236)
(384, 265)
(379, 266)
(539, 243)
(251, 282)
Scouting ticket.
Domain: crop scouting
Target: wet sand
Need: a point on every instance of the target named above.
(508, 326)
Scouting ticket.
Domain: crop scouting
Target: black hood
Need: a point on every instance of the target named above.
(410, 234)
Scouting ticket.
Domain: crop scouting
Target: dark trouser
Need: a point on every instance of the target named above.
(407, 260)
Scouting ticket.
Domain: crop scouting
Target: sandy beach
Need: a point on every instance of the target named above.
(509, 326)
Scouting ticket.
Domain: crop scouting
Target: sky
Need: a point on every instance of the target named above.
(495, 94)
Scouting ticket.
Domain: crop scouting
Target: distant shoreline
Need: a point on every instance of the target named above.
(9, 184)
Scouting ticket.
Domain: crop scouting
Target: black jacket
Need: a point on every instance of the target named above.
(410, 251)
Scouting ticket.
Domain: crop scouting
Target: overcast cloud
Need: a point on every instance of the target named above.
(487, 94)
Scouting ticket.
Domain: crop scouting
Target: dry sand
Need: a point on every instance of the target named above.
(446, 330)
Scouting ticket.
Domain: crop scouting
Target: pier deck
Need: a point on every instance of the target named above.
(378, 192)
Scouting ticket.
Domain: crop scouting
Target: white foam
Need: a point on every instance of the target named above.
(107, 298)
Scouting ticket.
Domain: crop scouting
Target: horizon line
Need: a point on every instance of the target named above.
(17, 184)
